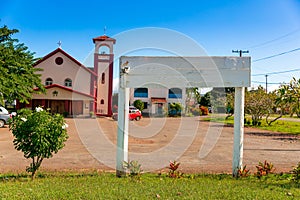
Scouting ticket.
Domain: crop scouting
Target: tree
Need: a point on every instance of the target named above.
(292, 96)
(257, 104)
(139, 104)
(18, 78)
(39, 135)
(192, 96)
(205, 100)
(280, 104)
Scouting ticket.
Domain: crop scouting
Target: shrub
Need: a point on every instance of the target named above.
(135, 169)
(195, 111)
(243, 172)
(139, 104)
(296, 173)
(263, 169)
(175, 109)
(38, 135)
(173, 167)
(204, 110)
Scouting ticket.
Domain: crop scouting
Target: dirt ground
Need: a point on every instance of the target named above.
(199, 146)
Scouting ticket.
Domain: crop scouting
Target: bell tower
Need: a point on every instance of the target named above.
(103, 67)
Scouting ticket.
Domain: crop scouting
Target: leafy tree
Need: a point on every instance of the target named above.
(292, 96)
(39, 135)
(280, 104)
(192, 96)
(205, 100)
(18, 78)
(257, 104)
(139, 104)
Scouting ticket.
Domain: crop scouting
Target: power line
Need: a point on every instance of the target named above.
(280, 72)
(273, 40)
(261, 82)
(280, 54)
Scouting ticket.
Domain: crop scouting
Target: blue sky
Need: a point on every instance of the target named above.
(264, 27)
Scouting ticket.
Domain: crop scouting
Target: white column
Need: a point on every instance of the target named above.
(238, 139)
(122, 137)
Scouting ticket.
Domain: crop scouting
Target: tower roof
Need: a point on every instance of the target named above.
(104, 38)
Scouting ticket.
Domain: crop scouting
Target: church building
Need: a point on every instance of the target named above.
(73, 89)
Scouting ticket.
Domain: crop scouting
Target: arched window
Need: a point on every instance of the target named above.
(48, 81)
(175, 93)
(103, 78)
(141, 92)
(68, 82)
(102, 101)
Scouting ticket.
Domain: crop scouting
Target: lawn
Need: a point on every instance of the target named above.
(281, 126)
(150, 186)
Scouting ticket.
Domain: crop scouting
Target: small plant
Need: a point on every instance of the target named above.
(296, 173)
(135, 169)
(243, 172)
(263, 169)
(39, 135)
(173, 167)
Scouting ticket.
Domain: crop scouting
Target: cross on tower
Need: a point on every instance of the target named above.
(59, 44)
(104, 30)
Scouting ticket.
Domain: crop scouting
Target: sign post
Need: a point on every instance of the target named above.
(182, 72)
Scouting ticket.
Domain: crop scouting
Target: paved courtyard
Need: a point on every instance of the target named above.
(200, 146)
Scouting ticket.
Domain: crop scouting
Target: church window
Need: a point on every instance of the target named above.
(59, 60)
(48, 81)
(68, 82)
(102, 101)
(103, 78)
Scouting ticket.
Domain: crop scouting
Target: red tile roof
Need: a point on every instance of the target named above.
(104, 38)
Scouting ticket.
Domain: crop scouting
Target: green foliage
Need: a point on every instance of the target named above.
(264, 169)
(38, 135)
(257, 104)
(175, 109)
(106, 186)
(290, 95)
(18, 78)
(296, 173)
(173, 170)
(205, 100)
(134, 167)
(139, 104)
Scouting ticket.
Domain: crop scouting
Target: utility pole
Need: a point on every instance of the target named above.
(266, 82)
(240, 52)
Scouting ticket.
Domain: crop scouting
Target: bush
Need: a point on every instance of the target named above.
(296, 173)
(38, 135)
(263, 169)
(139, 104)
(135, 169)
(204, 110)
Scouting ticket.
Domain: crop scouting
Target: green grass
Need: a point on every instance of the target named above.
(280, 126)
(150, 186)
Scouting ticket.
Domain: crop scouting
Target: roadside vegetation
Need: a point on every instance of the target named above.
(280, 126)
(149, 186)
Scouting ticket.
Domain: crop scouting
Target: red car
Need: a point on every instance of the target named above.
(134, 114)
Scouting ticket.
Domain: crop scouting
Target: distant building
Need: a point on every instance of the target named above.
(71, 87)
(76, 90)
(157, 100)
